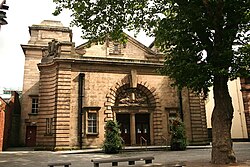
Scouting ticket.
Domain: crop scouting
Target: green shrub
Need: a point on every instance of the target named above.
(178, 137)
(112, 143)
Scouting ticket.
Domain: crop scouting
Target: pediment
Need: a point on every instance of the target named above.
(133, 49)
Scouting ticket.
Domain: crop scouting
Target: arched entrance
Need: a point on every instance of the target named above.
(133, 109)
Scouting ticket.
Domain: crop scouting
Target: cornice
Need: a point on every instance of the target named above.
(33, 47)
(103, 61)
(49, 28)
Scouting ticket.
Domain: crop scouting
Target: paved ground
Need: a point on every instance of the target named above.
(191, 157)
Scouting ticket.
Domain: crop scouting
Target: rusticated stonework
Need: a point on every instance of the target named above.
(80, 88)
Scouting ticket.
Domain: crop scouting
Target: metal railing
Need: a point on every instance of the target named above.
(142, 139)
(123, 143)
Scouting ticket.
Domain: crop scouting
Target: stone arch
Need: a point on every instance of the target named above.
(143, 97)
(143, 87)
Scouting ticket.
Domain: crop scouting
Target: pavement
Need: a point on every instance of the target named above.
(194, 156)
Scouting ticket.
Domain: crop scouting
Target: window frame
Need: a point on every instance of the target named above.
(34, 106)
(34, 110)
(92, 123)
(88, 111)
(116, 48)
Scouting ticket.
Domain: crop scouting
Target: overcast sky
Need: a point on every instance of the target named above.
(21, 15)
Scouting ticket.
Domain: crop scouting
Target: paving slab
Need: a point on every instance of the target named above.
(192, 157)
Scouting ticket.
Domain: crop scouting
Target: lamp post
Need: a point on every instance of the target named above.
(3, 7)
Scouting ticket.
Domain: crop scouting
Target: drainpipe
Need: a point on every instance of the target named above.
(180, 105)
(81, 80)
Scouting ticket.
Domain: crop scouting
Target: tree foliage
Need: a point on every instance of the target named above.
(197, 36)
(206, 42)
(112, 143)
(178, 135)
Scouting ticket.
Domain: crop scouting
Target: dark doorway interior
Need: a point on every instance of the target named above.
(124, 121)
(142, 129)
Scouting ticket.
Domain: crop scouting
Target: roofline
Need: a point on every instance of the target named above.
(4, 101)
(152, 44)
(144, 47)
(49, 28)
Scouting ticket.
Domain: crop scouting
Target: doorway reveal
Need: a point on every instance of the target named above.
(142, 129)
(124, 122)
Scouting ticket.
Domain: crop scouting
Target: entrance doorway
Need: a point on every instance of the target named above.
(31, 136)
(142, 129)
(124, 122)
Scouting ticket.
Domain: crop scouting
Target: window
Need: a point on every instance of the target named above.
(34, 109)
(91, 119)
(173, 114)
(116, 48)
(92, 122)
(49, 122)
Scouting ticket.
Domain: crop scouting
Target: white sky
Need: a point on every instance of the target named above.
(21, 15)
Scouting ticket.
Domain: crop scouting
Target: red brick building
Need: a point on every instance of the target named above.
(3, 108)
(9, 121)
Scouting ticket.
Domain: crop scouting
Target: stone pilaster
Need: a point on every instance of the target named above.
(198, 119)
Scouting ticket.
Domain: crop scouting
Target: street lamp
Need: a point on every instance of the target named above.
(3, 7)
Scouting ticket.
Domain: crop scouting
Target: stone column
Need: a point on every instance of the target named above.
(132, 129)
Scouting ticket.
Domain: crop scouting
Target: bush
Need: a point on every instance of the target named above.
(112, 143)
(178, 138)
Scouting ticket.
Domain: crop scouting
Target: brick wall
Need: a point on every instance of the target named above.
(2, 123)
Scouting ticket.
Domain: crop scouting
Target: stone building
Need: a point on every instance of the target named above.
(70, 92)
(239, 92)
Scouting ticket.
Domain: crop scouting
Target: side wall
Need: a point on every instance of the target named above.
(239, 128)
(47, 106)
(3, 108)
(33, 56)
(59, 100)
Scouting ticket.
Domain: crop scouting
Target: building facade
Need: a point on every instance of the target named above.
(70, 92)
(3, 108)
(239, 92)
(9, 121)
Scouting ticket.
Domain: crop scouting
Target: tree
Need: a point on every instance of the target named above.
(197, 38)
(112, 143)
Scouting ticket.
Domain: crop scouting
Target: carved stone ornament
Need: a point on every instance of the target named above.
(132, 97)
(53, 48)
(80, 51)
